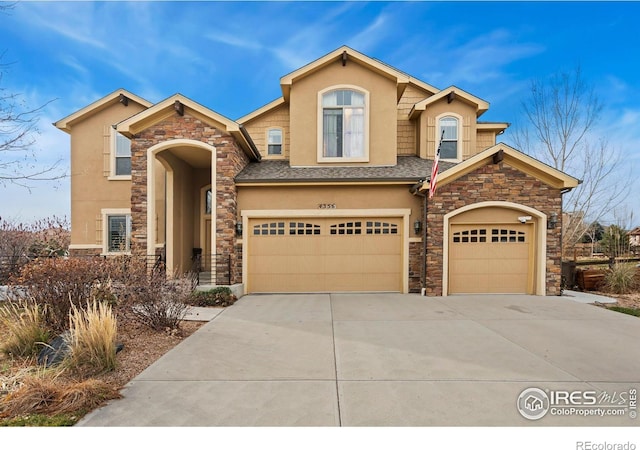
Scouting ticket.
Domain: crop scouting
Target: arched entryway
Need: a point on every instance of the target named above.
(494, 247)
(190, 168)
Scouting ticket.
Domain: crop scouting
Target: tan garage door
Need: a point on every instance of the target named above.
(325, 255)
(492, 258)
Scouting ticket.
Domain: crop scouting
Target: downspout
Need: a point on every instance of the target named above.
(415, 190)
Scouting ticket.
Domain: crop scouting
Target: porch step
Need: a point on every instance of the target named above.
(204, 278)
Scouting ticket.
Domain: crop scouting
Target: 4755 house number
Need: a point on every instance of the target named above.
(326, 205)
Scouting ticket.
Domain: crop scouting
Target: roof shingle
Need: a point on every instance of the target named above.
(408, 168)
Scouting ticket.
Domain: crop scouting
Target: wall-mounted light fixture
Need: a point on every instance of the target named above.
(417, 226)
(239, 228)
(553, 220)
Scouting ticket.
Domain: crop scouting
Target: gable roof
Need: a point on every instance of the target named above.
(117, 96)
(401, 78)
(514, 158)
(263, 109)
(452, 92)
(169, 106)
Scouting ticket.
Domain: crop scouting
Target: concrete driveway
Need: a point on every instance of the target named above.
(388, 360)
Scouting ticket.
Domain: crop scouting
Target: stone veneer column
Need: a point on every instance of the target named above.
(230, 160)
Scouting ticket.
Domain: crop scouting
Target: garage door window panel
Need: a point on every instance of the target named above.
(346, 228)
(381, 228)
(507, 236)
(269, 229)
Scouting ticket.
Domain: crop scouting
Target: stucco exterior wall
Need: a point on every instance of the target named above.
(492, 182)
(91, 190)
(382, 119)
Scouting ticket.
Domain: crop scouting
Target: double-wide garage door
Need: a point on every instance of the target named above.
(491, 258)
(325, 255)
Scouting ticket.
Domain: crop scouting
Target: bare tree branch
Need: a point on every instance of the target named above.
(18, 138)
(562, 114)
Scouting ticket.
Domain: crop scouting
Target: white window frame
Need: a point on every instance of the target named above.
(106, 214)
(113, 156)
(458, 118)
(268, 135)
(320, 115)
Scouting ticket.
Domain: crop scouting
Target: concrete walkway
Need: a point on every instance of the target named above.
(383, 360)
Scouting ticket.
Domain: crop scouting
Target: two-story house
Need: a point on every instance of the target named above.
(322, 190)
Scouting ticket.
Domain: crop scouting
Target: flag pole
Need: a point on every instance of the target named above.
(425, 209)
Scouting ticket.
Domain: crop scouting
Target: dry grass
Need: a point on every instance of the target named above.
(25, 325)
(52, 396)
(142, 347)
(93, 333)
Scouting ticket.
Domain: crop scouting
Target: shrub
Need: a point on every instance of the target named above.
(26, 326)
(55, 282)
(620, 279)
(22, 242)
(220, 296)
(157, 302)
(92, 338)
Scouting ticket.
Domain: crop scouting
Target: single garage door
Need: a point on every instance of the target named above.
(325, 255)
(491, 258)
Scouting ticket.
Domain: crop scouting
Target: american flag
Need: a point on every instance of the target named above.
(433, 181)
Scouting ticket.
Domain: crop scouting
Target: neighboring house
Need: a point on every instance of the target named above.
(322, 189)
(634, 237)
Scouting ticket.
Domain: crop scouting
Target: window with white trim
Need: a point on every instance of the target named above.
(121, 151)
(344, 124)
(118, 233)
(449, 146)
(274, 141)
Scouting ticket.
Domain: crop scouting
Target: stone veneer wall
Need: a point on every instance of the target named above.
(415, 266)
(231, 159)
(85, 252)
(494, 182)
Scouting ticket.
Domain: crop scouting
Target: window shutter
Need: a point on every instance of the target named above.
(106, 151)
(99, 229)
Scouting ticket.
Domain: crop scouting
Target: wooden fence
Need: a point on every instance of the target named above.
(588, 275)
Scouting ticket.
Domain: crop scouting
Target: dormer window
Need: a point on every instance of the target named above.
(449, 146)
(274, 141)
(343, 125)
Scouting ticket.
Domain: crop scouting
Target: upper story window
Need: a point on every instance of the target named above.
(274, 141)
(449, 146)
(344, 125)
(121, 152)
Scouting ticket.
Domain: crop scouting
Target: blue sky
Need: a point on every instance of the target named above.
(229, 56)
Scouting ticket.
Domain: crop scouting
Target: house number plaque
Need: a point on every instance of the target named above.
(327, 205)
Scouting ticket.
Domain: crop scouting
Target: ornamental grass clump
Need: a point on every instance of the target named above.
(25, 323)
(92, 337)
(621, 278)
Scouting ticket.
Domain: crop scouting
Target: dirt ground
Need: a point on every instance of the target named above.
(624, 300)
